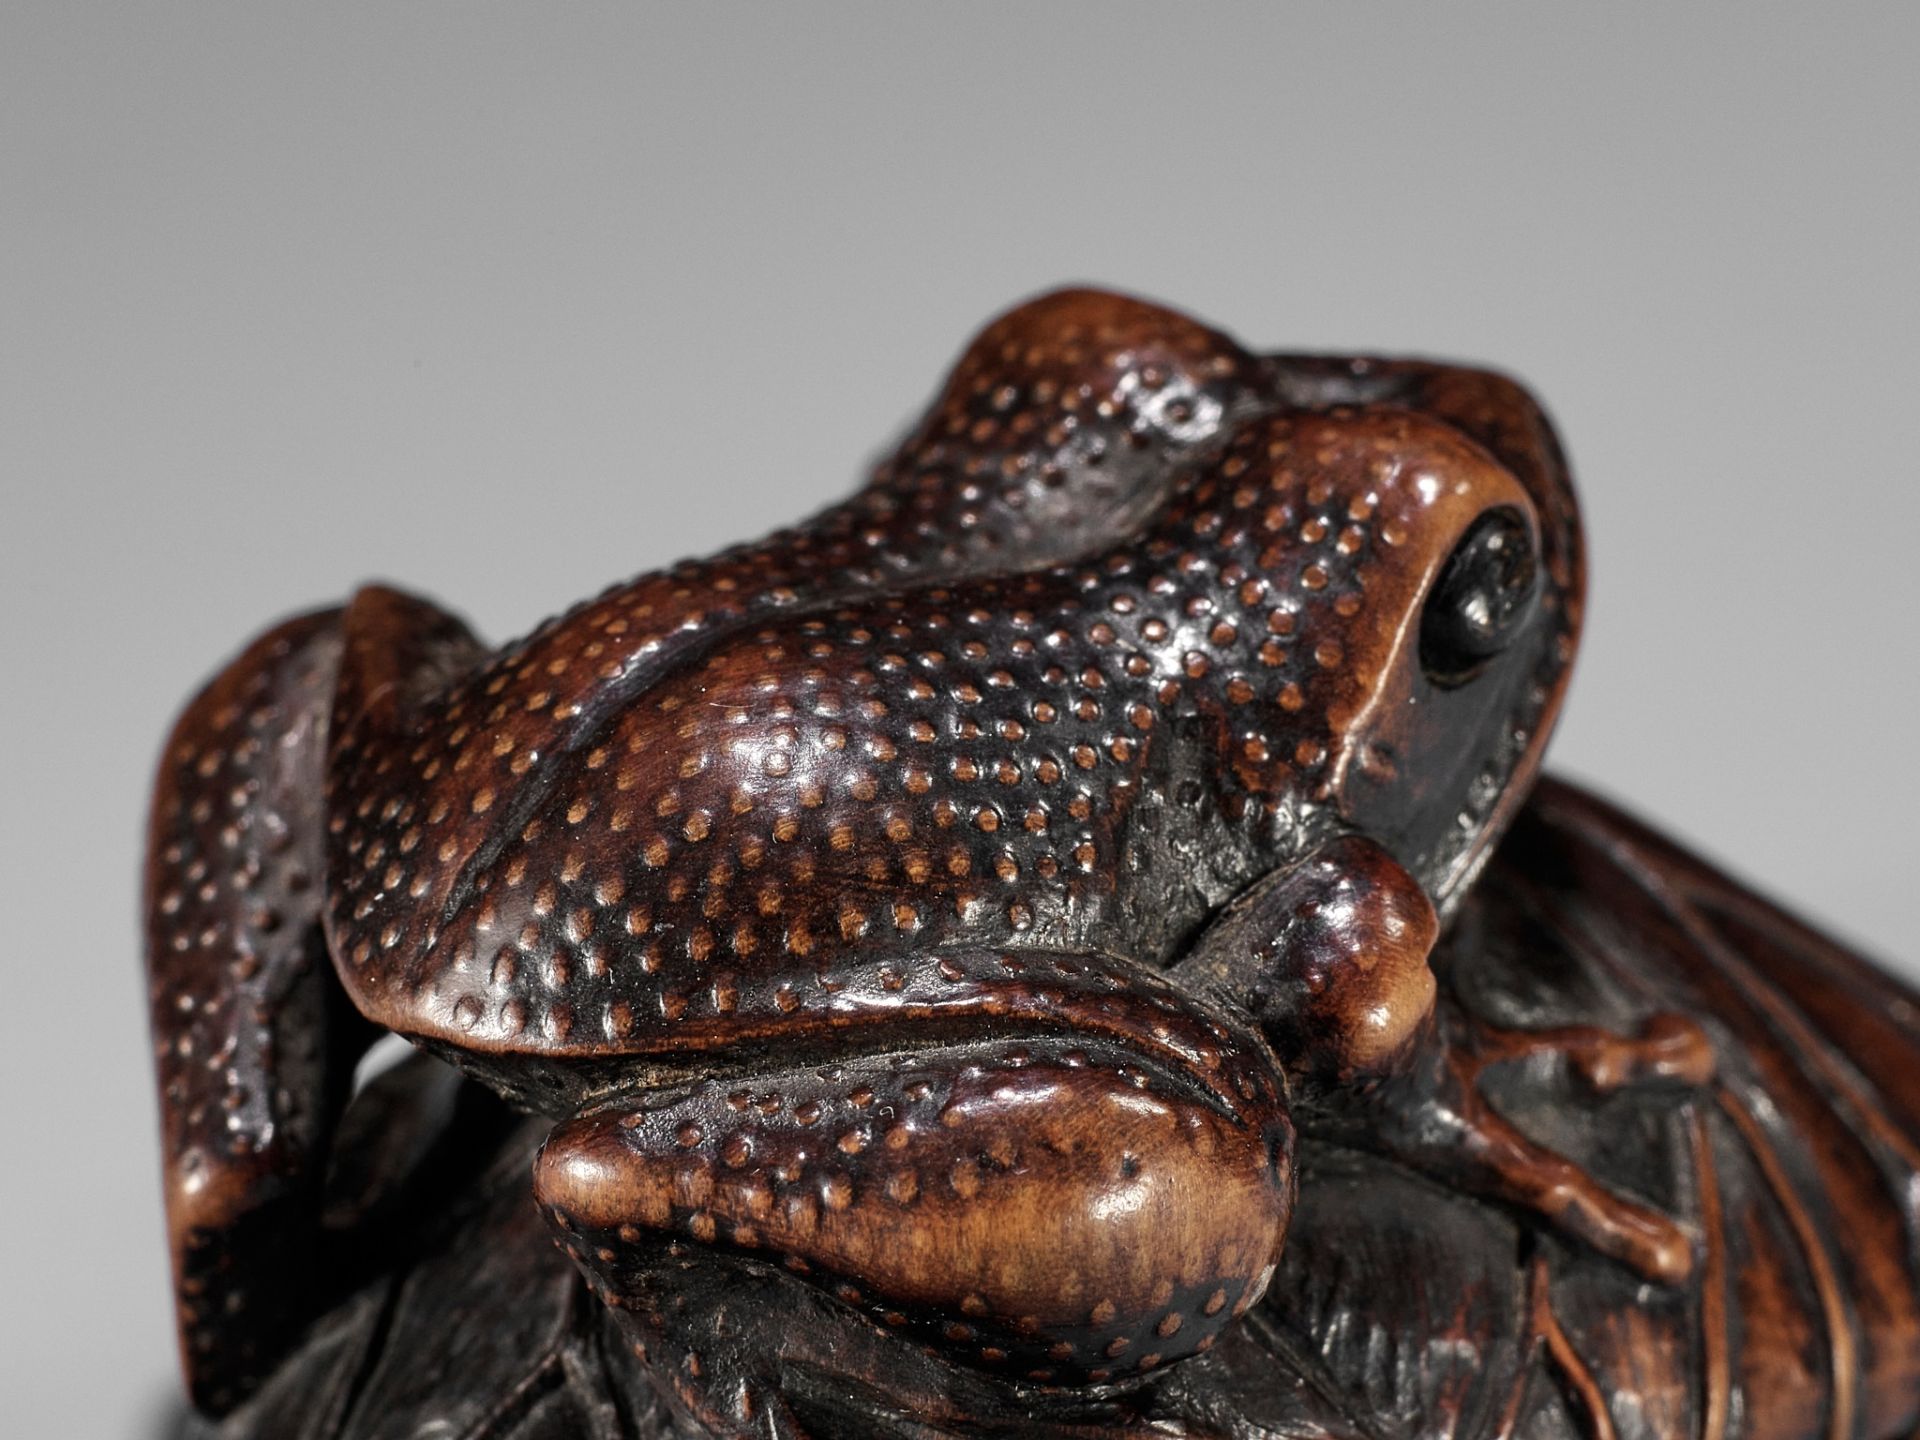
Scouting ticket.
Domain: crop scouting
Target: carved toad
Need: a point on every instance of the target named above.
(961, 901)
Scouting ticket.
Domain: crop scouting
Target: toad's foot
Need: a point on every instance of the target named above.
(702, 1331)
(1669, 1050)
(1435, 1119)
(1330, 956)
(748, 1352)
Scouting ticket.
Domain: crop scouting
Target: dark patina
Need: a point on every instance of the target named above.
(1057, 944)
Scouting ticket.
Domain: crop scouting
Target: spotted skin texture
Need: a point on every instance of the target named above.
(944, 766)
(945, 1194)
(913, 802)
(248, 1038)
(1063, 425)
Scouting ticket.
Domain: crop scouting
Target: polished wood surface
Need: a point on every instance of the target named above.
(1032, 948)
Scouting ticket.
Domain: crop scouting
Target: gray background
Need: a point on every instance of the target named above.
(507, 307)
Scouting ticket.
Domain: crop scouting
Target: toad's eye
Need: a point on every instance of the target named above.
(1487, 590)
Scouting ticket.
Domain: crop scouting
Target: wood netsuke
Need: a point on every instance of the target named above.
(978, 943)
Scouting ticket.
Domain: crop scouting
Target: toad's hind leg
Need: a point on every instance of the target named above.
(255, 1038)
(254, 1043)
(1058, 1212)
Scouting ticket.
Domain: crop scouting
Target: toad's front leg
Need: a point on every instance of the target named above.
(1331, 957)
(1060, 1209)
